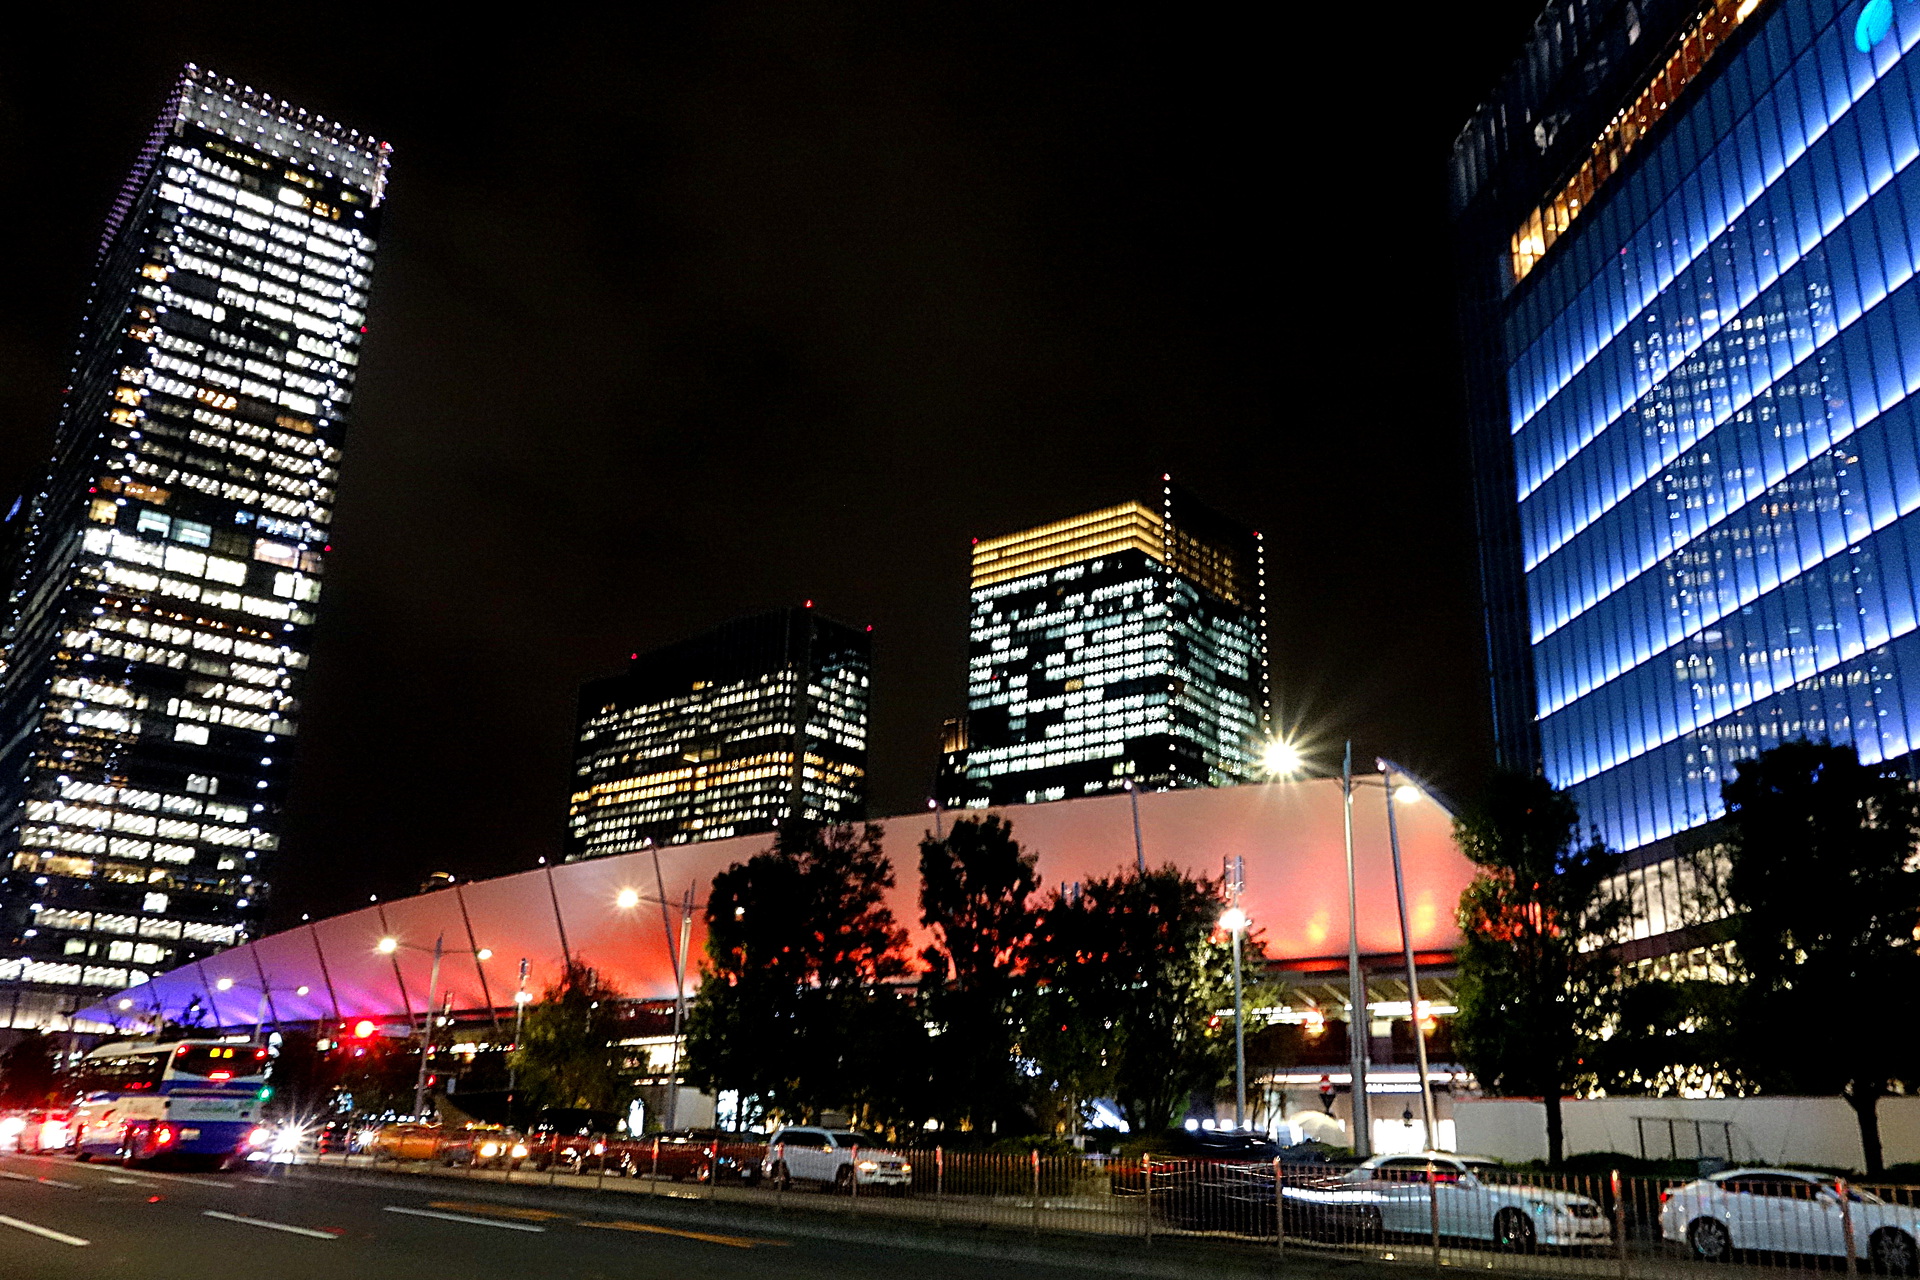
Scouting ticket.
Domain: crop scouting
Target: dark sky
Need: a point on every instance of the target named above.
(710, 308)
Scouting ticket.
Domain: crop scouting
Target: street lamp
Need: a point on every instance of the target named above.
(1234, 921)
(387, 947)
(1387, 769)
(1282, 758)
(626, 900)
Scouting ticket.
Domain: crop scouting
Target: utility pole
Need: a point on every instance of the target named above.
(1358, 1023)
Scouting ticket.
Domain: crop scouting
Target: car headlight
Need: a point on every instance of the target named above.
(488, 1150)
(519, 1151)
(905, 1167)
(868, 1166)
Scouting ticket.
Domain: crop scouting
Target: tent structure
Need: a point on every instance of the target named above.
(606, 912)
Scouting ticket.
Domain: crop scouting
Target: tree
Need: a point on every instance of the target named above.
(799, 1004)
(1131, 978)
(1821, 876)
(27, 1071)
(1536, 980)
(975, 887)
(568, 1054)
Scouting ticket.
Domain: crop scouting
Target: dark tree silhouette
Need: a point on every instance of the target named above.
(1827, 902)
(1532, 997)
(975, 887)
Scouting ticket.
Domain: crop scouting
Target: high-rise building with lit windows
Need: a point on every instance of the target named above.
(739, 730)
(157, 625)
(1122, 646)
(1688, 239)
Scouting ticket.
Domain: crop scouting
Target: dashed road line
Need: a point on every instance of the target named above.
(44, 1232)
(272, 1226)
(466, 1218)
(497, 1210)
(45, 1182)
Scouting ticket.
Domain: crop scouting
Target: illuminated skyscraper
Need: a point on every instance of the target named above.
(157, 629)
(732, 732)
(1687, 229)
(1123, 645)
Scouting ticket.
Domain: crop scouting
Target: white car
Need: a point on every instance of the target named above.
(1781, 1211)
(1475, 1197)
(837, 1158)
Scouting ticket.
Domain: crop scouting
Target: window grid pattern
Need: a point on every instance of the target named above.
(1716, 456)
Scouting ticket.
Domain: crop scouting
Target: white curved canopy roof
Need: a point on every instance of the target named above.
(1289, 833)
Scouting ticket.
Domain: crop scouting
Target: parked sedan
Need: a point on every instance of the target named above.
(1781, 1211)
(1474, 1199)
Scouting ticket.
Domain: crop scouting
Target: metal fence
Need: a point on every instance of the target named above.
(1436, 1214)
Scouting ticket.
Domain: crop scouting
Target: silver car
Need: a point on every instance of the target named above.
(1784, 1211)
(1473, 1198)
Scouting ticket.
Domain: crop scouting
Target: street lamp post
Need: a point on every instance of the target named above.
(627, 899)
(260, 1008)
(439, 948)
(1234, 872)
(1357, 1025)
(1387, 770)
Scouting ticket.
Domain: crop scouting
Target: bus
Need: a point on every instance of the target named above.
(183, 1102)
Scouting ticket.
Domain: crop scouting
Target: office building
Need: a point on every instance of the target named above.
(168, 571)
(1123, 646)
(737, 731)
(1687, 239)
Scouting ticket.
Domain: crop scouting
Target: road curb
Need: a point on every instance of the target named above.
(1199, 1258)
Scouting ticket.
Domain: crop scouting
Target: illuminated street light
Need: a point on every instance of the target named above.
(1407, 793)
(125, 1005)
(1282, 759)
(627, 899)
(225, 984)
(484, 953)
(1234, 921)
(387, 946)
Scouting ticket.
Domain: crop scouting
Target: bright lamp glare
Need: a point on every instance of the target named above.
(1233, 920)
(388, 946)
(484, 953)
(125, 1005)
(627, 899)
(300, 991)
(225, 984)
(1407, 793)
(1281, 758)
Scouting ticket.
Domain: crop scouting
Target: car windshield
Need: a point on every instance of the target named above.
(1492, 1172)
(853, 1139)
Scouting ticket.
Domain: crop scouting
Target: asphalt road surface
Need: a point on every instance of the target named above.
(61, 1220)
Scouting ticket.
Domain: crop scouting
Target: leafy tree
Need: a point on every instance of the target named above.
(799, 1006)
(27, 1071)
(1828, 900)
(1131, 978)
(568, 1054)
(1535, 990)
(974, 891)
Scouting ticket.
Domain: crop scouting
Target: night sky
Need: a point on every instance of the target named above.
(707, 309)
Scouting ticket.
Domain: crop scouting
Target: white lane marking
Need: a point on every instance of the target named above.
(61, 1236)
(275, 1226)
(45, 1182)
(131, 1182)
(461, 1217)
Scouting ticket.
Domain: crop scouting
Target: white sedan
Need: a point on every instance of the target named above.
(1782, 1211)
(1474, 1198)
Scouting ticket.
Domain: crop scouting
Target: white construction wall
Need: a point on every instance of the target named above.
(1767, 1130)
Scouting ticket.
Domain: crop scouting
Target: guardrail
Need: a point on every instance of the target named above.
(1605, 1225)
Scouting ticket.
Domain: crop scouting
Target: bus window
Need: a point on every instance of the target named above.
(220, 1061)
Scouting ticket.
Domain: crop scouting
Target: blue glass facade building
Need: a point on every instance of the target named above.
(1694, 335)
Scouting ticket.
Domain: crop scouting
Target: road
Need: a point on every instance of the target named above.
(62, 1220)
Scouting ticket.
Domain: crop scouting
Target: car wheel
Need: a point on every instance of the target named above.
(81, 1157)
(1371, 1227)
(1893, 1252)
(1709, 1240)
(779, 1177)
(1513, 1231)
(843, 1180)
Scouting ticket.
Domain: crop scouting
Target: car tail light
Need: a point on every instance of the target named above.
(163, 1135)
(1666, 1196)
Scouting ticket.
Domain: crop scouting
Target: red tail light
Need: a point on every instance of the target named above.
(1665, 1196)
(219, 1075)
(163, 1135)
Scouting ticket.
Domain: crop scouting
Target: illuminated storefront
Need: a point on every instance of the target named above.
(729, 733)
(158, 629)
(1126, 645)
(1687, 245)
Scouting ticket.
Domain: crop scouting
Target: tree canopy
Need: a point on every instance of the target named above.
(568, 1054)
(1536, 983)
(1827, 901)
